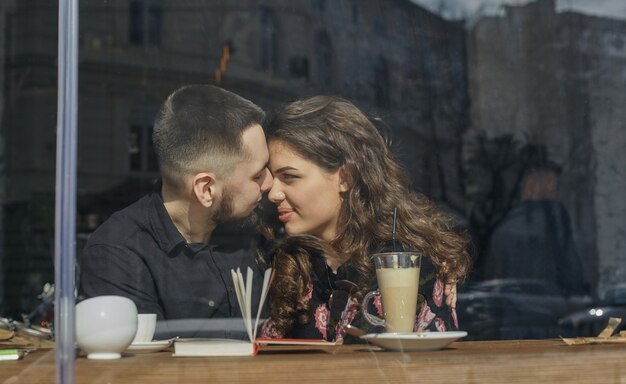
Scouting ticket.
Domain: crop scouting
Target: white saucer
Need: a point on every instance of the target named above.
(423, 341)
(150, 346)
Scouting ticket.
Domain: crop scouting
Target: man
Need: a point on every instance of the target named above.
(158, 252)
(534, 240)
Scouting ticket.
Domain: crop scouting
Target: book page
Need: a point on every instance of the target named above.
(243, 300)
(266, 283)
(244, 297)
(248, 298)
(238, 291)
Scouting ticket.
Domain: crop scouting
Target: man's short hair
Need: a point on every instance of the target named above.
(199, 128)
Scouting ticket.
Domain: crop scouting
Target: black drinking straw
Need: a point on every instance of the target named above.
(393, 230)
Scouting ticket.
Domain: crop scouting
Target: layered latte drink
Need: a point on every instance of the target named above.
(398, 281)
(398, 288)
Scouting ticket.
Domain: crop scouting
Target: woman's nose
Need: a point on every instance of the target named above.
(276, 195)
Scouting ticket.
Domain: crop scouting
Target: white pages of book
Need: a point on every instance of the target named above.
(244, 297)
(229, 347)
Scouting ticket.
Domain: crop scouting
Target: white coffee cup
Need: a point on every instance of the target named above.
(105, 326)
(146, 324)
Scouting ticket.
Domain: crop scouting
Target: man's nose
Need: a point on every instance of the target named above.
(268, 181)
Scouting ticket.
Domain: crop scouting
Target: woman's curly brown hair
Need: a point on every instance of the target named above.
(335, 135)
(292, 265)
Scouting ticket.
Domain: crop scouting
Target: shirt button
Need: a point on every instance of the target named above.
(211, 303)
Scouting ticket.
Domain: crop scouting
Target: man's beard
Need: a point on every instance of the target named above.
(225, 209)
(224, 213)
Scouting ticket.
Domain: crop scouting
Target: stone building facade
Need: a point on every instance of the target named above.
(392, 58)
(559, 79)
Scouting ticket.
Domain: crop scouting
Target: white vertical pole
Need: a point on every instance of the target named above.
(65, 200)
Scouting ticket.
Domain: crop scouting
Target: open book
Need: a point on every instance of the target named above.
(230, 347)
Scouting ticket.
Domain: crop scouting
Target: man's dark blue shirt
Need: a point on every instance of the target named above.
(139, 253)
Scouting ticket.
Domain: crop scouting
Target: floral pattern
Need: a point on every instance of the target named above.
(307, 296)
(424, 318)
(440, 325)
(434, 315)
(438, 292)
(378, 304)
(321, 319)
(455, 320)
(309, 292)
(268, 331)
(347, 316)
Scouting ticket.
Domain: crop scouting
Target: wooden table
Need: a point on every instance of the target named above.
(513, 361)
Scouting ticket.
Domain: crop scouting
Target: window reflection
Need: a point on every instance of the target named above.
(325, 58)
(144, 27)
(381, 82)
(465, 102)
(269, 40)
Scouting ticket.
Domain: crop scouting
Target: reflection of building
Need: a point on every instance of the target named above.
(2, 146)
(389, 56)
(558, 78)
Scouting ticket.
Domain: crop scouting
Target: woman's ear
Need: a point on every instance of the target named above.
(204, 188)
(345, 179)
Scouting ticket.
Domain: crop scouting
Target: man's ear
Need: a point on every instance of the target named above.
(204, 188)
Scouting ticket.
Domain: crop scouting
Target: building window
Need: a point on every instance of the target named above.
(299, 67)
(381, 83)
(141, 155)
(145, 19)
(269, 41)
(320, 5)
(355, 12)
(325, 58)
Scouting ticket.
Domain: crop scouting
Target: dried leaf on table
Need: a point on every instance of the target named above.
(610, 328)
(605, 337)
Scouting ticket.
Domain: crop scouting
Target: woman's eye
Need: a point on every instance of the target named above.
(288, 177)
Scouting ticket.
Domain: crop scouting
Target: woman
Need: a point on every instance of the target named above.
(336, 185)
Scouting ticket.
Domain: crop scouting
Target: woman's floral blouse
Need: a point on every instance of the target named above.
(327, 322)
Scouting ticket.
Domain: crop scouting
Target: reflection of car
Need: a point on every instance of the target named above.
(513, 309)
(593, 319)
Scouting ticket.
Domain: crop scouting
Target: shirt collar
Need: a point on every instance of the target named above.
(168, 237)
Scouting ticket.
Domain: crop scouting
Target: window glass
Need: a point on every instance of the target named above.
(509, 115)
